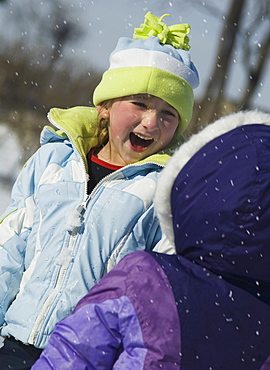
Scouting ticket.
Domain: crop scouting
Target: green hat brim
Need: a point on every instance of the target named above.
(126, 81)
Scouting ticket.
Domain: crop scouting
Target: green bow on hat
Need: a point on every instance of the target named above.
(175, 35)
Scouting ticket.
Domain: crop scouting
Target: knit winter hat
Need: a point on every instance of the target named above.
(156, 62)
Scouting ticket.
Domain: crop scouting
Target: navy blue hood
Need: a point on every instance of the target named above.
(219, 213)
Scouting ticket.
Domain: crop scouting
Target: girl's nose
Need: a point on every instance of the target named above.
(151, 120)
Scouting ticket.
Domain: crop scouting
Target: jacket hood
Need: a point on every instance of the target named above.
(213, 198)
(79, 125)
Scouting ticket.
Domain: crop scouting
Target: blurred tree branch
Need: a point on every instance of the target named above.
(237, 34)
(213, 95)
(255, 54)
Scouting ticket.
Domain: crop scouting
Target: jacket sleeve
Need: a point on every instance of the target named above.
(103, 326)
(128, 320)
(15, 226)
(144, 235)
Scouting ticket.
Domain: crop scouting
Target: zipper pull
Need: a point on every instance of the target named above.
(74, 219)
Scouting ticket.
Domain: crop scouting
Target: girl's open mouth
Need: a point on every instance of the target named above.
(140, 142)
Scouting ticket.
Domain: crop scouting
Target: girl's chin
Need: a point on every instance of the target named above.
(137, 156)
(135, 153)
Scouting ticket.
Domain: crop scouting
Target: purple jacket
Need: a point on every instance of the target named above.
(208, 307)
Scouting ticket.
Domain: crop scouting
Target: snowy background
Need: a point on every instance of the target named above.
(104, 21)
(9, 164)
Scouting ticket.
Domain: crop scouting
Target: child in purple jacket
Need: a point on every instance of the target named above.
(207, 307)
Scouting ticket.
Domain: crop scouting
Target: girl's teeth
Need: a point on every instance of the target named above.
(143, 137)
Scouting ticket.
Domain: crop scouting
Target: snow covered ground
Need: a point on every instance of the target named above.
(9, 164)
(4, 199)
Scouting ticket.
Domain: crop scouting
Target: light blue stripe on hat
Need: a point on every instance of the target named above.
(152, 43)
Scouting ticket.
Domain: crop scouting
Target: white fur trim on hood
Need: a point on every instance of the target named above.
(168, 175)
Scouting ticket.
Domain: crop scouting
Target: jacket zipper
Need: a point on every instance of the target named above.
(61, 275)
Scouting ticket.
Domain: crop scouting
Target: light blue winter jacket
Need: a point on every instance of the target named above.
(55, 242)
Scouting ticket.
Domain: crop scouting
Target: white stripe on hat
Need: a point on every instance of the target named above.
(152, 58)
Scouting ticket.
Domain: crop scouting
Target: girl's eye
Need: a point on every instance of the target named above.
(169, 113)
(140, 104)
